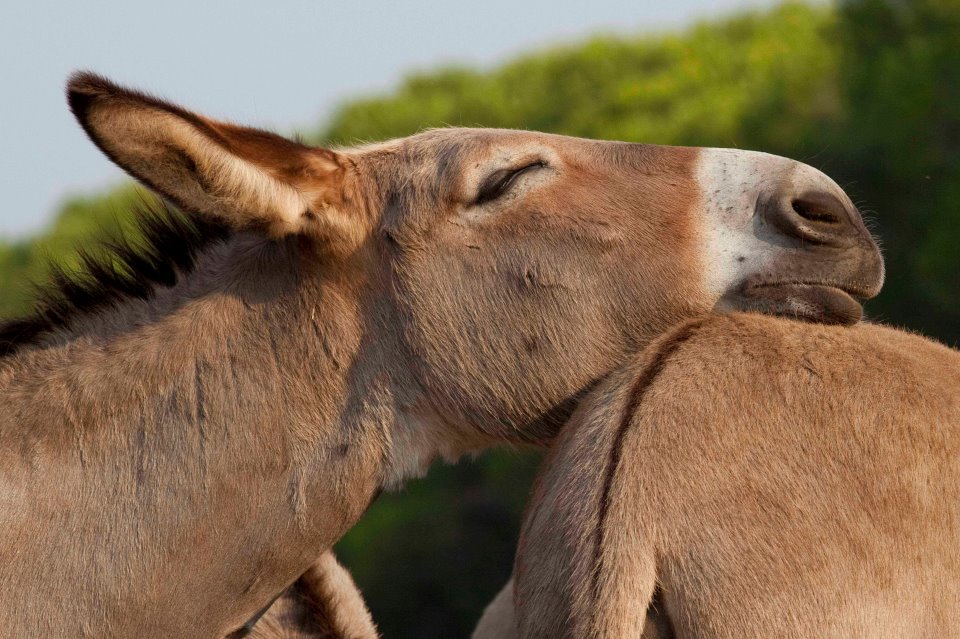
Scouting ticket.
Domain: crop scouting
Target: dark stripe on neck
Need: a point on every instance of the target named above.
(643, 382)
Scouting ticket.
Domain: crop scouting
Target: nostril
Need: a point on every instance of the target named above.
(812, 216)
(814, 211)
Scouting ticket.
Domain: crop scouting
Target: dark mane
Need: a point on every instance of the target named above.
(165, 248)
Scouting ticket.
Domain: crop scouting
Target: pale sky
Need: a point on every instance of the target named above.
(282, 64)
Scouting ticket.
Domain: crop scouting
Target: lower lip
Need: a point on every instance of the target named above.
(811, 302)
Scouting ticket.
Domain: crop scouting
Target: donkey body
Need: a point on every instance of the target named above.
(323, 603)
(750, 476)
(183, 434)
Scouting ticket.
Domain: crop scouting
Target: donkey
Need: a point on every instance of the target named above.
(187, 427)
(323, 603)
(751, 476)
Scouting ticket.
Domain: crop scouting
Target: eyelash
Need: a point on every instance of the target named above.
(499, 182)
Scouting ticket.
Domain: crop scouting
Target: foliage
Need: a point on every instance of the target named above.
(671, 89)
(899, 139)
(869, 91)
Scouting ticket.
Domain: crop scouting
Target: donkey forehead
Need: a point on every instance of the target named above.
(456, 151)
(456, 147)
(442, 160)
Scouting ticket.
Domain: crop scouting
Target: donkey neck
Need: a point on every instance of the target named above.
(229, 429)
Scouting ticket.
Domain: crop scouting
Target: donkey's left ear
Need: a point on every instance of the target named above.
(248, 178)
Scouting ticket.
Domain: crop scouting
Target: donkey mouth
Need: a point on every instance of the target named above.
(813, 302)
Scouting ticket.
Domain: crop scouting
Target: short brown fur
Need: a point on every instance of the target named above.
(324, 603)
(176, 458)
(777, 479)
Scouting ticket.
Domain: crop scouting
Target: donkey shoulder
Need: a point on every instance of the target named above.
(742, 378)
(746, 356)
(724, 424)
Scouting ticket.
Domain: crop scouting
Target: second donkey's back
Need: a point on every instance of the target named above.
(752, 477)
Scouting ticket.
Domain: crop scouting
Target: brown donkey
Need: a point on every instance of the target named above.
(750, 476)
(323, 603)
(186, 428)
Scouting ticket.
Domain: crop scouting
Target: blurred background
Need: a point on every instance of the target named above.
(867, 91)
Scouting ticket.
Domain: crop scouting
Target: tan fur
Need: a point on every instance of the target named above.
(324, 603)
(169, 465)
(247, 177)
(499, 618)
(770, 478)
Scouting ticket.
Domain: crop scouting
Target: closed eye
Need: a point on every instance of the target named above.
(499, 182)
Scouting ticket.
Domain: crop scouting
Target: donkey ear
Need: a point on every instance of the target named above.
(248, 178)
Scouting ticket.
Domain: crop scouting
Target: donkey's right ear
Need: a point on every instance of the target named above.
(248, 178)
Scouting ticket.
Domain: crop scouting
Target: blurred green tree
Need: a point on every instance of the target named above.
(898, 144)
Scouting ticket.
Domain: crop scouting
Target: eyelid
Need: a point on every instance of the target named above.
(498, 182)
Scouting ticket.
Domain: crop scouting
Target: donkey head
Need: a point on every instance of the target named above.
(512, 269)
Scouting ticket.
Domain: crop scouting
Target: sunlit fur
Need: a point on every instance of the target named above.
(760, 478)
(324, 603)
(176, 455)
